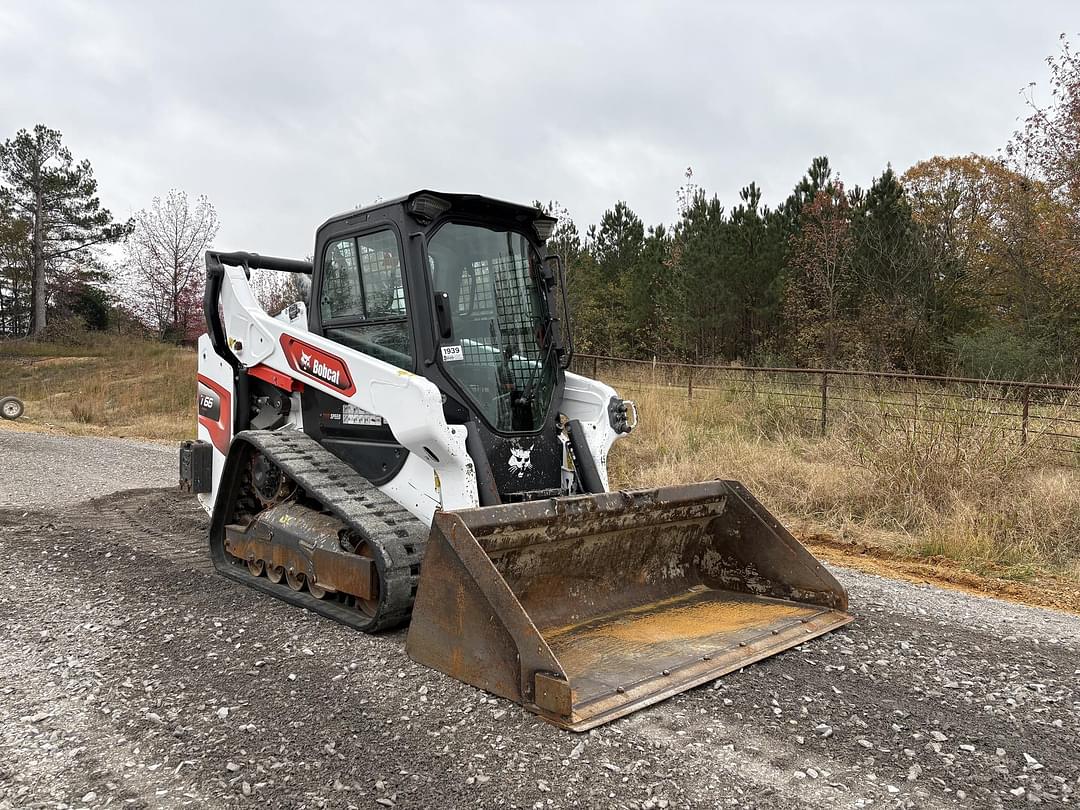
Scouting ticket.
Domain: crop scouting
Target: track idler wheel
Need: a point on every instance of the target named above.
(315, 590)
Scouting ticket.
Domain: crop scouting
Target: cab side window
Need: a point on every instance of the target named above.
(362, 300)
(341, 293)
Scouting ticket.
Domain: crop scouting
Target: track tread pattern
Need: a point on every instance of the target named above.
(396, 537)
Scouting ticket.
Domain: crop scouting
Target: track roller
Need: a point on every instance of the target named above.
(295, 580)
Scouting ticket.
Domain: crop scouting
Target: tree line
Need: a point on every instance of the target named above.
(57, 272)
(962, 264)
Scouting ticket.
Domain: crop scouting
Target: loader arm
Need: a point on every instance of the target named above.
(410, 405)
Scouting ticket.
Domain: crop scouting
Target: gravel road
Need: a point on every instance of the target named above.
(39, 470)
(134, 677)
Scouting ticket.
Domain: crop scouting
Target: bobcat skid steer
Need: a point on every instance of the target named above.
(411, 444)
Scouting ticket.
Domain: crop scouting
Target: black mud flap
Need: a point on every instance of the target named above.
(196, 467)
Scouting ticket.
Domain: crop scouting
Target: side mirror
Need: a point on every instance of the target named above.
(442, 314)
(554, 274)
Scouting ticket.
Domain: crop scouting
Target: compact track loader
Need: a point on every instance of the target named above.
(409, 442)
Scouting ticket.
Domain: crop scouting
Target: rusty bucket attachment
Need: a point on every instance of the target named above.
(587, 608)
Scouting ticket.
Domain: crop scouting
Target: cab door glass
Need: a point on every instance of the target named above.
(363, 297)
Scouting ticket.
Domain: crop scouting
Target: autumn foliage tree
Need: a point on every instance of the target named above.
(821, 282)
(1047, 149)
(993, 237)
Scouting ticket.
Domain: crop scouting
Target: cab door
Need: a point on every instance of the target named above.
(362, 303)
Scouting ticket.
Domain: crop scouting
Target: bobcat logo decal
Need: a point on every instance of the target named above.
(520, 459)
(320, 365)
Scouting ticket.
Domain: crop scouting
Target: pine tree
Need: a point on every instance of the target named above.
(699, 254)
(615, 247)
(14, 278)
(758, 239)
(648, 322)
(891, 266)
(56, 199)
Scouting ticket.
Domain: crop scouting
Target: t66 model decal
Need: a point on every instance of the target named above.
(215, 412)
(317, 364)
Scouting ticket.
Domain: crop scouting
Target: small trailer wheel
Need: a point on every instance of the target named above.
(11, 407)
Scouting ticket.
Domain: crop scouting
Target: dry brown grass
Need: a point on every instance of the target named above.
(106, 385)
(961, 489)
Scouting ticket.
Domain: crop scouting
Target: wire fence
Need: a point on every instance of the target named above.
(1026, 412)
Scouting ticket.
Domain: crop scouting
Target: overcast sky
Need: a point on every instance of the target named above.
(285, 113)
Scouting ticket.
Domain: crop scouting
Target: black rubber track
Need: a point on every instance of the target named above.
(396, 537)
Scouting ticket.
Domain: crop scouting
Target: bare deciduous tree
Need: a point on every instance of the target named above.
(165, 262)
(275, 291)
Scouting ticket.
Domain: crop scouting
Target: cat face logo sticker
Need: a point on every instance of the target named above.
(520, 459)
(317, 364)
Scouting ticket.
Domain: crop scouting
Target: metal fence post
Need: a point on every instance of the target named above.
(595, 358)
(1024, 420)
(690, 383)
(824, 401)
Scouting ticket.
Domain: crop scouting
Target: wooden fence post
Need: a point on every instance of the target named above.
(824, 401)
(690, 383)
(1024, 420)
(595, 358)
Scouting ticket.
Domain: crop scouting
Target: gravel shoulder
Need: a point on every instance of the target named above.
(132, 676)
(44, 470)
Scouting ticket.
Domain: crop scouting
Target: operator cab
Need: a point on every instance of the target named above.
(455, 288)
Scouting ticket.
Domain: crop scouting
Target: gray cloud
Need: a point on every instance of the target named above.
(285, 113)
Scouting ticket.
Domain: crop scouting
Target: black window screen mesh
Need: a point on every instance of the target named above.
(363, 298)
(341, 294)
(372, 291)
(498, 350)
(496, 315)
(380, 269)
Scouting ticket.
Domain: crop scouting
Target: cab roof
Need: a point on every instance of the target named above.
(472, 205)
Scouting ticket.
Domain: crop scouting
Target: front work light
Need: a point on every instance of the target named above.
(425, 207)
(544, 226)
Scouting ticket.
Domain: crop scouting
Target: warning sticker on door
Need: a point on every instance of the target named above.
(450, 353)
(354, 415)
